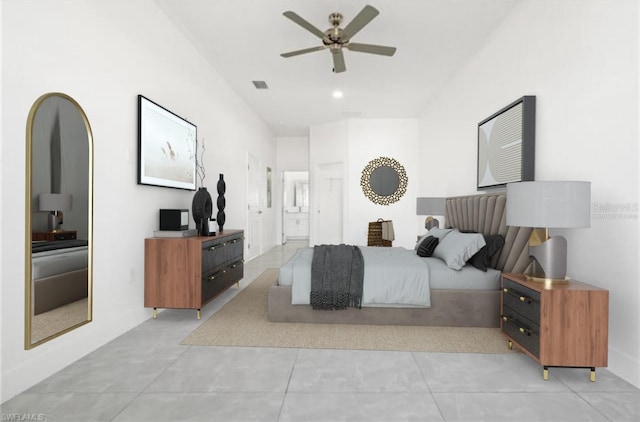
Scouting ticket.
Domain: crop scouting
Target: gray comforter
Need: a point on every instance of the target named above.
(337, 274)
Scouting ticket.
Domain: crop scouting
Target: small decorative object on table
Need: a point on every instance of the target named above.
(202, 208)
(202, 205)
(222, 187)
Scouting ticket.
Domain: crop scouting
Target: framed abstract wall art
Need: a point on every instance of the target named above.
(506, 145)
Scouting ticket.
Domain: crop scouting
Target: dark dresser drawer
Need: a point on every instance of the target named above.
(213, 254)
(235, 248)
(521, 300)
(522, 330)
(220, 279)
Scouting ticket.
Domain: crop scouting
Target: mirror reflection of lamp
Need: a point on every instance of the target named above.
(55, 203)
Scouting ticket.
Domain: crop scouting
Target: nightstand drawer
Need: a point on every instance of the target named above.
(525, 332)
(521, 300)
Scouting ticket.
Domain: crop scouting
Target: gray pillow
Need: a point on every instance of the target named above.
(456, 248)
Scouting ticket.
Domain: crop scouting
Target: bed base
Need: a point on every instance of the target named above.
(58, 290)
(449, 308)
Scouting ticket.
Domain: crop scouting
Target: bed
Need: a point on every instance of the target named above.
(59, 270)
(464, 298)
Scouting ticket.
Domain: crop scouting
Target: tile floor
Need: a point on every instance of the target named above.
(146, 375)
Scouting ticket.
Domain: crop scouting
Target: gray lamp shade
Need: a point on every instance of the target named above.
(549, 204)
(426, 206)
(55, 201)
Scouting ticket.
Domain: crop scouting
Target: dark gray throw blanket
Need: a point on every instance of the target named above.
(337, 274)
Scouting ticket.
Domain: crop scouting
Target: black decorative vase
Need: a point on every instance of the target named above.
(201, 209)
(221, 202)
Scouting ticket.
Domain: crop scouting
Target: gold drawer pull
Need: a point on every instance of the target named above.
(212, 277)
(524, 331)
(505, 290)
(212, 248)
(234, 241)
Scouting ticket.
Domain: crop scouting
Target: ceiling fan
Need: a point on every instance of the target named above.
(336, 38)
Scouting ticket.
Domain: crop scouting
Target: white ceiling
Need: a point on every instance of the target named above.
(243, 40)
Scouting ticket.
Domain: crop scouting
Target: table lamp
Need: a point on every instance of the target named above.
(543, 205)
(55, 203)
(430, 207)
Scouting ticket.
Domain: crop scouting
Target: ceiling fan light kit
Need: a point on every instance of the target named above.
(336, 38)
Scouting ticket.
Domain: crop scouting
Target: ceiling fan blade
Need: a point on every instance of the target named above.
(371, 48)
(338, 61)
(303, 23)
(364, 17)
(303, 51)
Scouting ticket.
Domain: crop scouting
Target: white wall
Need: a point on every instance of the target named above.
(104, 54)
(327, 144)
(370, 139)
(580, 58)
(356, 142)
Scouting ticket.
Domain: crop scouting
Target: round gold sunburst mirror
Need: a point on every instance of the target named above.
(384, 181)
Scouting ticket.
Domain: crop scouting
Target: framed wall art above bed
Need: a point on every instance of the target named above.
(506, 145)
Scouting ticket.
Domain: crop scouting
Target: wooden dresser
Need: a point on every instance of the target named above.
(57, 235)
(559, 325)
(188, 273)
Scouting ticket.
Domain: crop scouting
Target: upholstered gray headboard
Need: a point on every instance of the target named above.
(486, 214)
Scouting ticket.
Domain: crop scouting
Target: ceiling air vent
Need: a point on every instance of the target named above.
(260, 84)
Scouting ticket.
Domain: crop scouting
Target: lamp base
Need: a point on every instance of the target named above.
(549, 255)
(548, 282)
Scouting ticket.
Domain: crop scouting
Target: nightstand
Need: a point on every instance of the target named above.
(58, 235)
(562, 325)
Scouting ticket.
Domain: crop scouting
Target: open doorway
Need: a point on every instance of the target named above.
(295, 205)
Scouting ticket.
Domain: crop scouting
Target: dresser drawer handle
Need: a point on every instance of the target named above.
(212, 248)
(234, 241)
(212, 277)
(524, 331)
(523, 299)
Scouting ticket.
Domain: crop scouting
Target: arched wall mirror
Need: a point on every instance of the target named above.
(384, 181)
(58, 220)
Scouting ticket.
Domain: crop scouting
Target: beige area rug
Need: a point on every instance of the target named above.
(52, 322)
(243, 322)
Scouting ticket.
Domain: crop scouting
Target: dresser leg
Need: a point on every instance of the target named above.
(510, 345)
(545, 373)
(198, 314)
(155, 313)
(592, 376)
(238, 284)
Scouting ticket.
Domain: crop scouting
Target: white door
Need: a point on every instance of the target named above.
(328, 209)
(253, 234)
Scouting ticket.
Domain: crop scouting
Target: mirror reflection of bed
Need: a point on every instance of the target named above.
(58, 219)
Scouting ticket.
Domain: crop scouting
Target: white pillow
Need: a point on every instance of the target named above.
(456, 248)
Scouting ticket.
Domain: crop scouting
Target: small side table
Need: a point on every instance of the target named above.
(562, 325)
(57, 235)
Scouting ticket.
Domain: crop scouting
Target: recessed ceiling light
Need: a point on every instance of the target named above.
(260, 84)
(337, 94)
